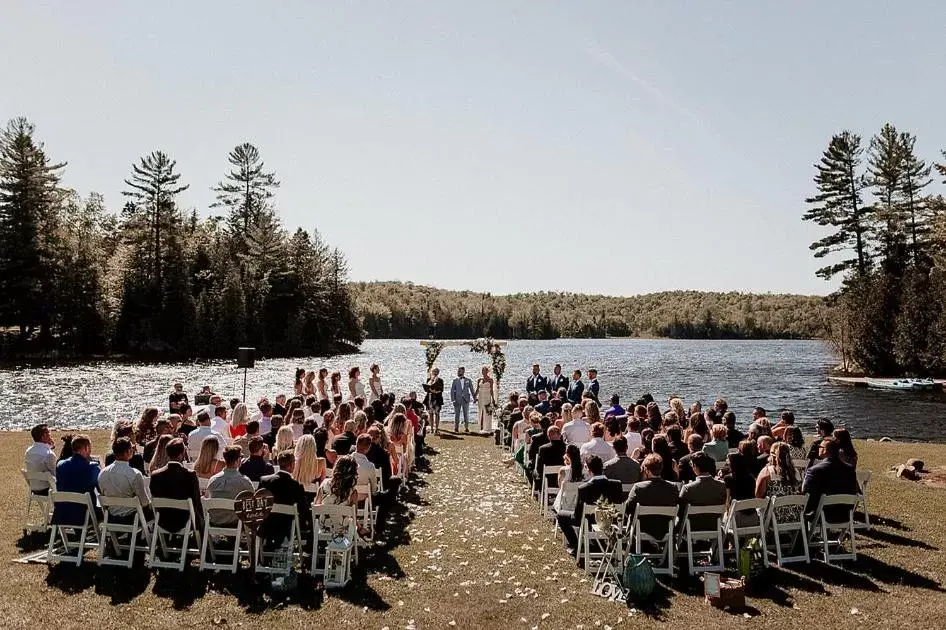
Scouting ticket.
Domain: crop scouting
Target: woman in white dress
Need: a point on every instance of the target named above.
(572, 471)
(374, 384)
(321, 387)
(486, 400)
(355, 387)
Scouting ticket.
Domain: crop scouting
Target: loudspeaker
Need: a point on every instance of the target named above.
(246, 357)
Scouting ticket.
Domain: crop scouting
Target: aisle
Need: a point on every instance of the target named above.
(479, 555)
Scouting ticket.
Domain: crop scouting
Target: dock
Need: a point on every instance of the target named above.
(861, 381)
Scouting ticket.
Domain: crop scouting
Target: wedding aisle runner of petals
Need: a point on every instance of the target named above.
(480, 555)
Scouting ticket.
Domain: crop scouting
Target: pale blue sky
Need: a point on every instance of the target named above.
(612, 147)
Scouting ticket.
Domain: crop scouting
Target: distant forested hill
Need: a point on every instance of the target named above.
(397, 309)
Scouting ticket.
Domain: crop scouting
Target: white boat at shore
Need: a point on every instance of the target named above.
(903, 384)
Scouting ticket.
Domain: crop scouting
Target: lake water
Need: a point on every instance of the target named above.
(773, 374)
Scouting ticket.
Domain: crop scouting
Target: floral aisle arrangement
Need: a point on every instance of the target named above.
(497, 358)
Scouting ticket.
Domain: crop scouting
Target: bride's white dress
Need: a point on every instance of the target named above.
(485, 396)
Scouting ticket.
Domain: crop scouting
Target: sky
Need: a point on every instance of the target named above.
(600, 147)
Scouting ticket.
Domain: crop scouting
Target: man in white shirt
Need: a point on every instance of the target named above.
(40, 458)
(196, 437)
(366, 470)
(211, 409)
(596, 445)
(119, 480)
(577, 431)
(219, 422)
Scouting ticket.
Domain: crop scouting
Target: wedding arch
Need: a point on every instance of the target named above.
(487, 345)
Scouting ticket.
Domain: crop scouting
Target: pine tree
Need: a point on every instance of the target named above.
(246, 191)
(838, 205)
(885, 164)
(30, 196)
(914, 178)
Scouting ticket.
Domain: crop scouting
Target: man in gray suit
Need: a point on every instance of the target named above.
(461, 392)
(622, 468)
(704, 490)
(653, 491)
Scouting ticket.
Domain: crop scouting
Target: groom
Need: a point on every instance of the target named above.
(461, 392)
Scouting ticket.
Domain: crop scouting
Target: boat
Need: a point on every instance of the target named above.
(903, 384)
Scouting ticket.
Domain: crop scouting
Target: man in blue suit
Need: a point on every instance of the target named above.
(536, 382)
(76, 474)
(558, 380)
(576, 388)
(462, 394)
(593, 385)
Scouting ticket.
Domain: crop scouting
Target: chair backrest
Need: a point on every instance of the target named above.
(43, 476)
(123, 502)
(746, 505)
(217, 504)
(159, 503)
(204, 484)
(551, 470)
(702, 510)
(626, 488)
(863, 478)
(82, 498)
(850, 500)
(641, 511)
(333, 512)
(283, 508)
(800, 464)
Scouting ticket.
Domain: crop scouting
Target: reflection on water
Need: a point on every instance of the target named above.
(773, 374)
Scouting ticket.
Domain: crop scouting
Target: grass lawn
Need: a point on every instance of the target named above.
(472, 552)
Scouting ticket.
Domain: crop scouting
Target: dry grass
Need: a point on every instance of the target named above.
(473, 553)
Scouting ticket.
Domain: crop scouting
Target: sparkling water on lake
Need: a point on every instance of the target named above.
(773, 374)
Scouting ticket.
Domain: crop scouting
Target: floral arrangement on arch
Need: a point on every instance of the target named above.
(432, 351)
(494, 350)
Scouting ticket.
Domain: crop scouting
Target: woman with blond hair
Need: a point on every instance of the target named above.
(401, 439)
(160, 457)
(309, 469)
(592, 412)
(361, 422)
(296, 422)
(285, 441)
(676, 406)
(207, 464)
(241, 414)
(308, 388)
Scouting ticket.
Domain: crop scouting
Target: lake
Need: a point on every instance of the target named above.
(776, 375)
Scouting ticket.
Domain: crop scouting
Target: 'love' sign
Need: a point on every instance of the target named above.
(252, 508)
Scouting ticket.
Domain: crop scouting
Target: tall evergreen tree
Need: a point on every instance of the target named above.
(914, 178)
(838, 205)
(246, 191)
(30, 197)
(885, 173)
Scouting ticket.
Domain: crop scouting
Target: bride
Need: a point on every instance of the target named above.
(486, 400)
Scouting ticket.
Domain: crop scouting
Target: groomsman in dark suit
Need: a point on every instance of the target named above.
(558, 380)
(536, 382)
(576, 388)
(593, 385)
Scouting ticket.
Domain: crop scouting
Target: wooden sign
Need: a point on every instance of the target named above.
(252, 508)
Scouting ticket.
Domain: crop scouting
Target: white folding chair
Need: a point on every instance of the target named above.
(204, 485)
(163, 538)
(365, 509)
(88, 530)
(663, 560)
(112, 532)
(295, 543)
(41, 501)
(863, 479)
(503, 434)
(822, 528)
(324, 521)
(713, 536)
(588, 533)
(218, 532)
(569, 488)
(800, 466)
(548, 490)
(780, 526)
(750, 527)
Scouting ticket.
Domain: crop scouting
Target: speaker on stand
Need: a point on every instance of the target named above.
(246, 359)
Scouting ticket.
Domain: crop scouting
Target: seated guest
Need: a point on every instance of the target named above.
(539, 439)
(309, 468)
(596, 445)
(144, 428)
(551, 454)
(286, 491)
(123, 429)
(119, 480)
(695, 445)
(269, 437)
(543, 406)
(252, 430)
(764, 445)
(830, 475)
(704, 490)
(320, 435)
(786, 419)
(660, 446)
(718, 447)
(621, 467)
(266, 423)
(847, 453)
(825, 430)
(79, 474)
(796, 443)
(208, 463)
(733, 435)
(227, 484)
(187, 423)
(296, 422)
(176, 397)
(285, 440)
(219, 421)
(652, 491)
(572, 471)
(779, 477)
(161, 427)
(678, 447)
(279, 408)
(238, 420)
(589, 492)
(345, 442)
(173, 481)
(750, 452)
(256, 465)
(339, 489)
(740, 484)
(40, 458)
(195, 439)
(576, 431)
(615, 409)
(633, 434)
(160, 457)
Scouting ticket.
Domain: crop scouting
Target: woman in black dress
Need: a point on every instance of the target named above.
(434, 398)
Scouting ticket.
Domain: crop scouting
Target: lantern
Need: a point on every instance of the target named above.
(337, 562)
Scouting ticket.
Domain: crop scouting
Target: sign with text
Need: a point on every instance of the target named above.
(252, 508)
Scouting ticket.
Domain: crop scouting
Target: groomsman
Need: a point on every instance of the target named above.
(536, 382)
(558, 380)
(576, 388)
(593, 385)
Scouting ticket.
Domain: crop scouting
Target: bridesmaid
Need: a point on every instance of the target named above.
(320, 385)
(374, 384)
(336, 386)
(355, 387)
(309, 389)
(298, 387)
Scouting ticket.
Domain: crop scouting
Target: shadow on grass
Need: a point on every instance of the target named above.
(775, 584)
(32, 541)
(183, 588)
(895, 575)
(895, 539)
(838, 576)
(656, 607)
(119, 584)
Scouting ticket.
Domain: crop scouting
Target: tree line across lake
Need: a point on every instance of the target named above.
(153, 280)
(885, 235)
